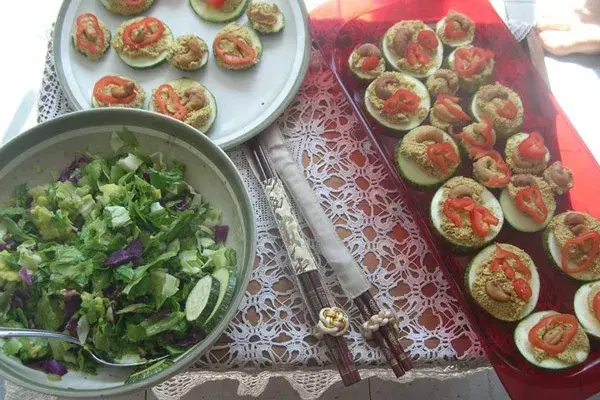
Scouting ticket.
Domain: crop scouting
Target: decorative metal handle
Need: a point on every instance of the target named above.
(35, 333)
(295, 242)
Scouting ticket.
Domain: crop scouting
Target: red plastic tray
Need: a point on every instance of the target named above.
(337, 29)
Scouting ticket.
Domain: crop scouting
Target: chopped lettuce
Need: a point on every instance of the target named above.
(108, 253)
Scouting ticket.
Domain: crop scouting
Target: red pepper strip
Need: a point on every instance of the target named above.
(517, 265)
(485, 133)
(533, 148)
(546, 322)
(454, 205)
(415, 54)
(508, 111)
(501, 167)
(531, 202)
(481, 219)
(596, 305)
(470, 61)
(248, 52)
(216, 3)
(450, 103)
(442, 154)
(522, 289)
(581, 241)
(454, 30)
(134, 2)
(427, 39)
(82, 40)
(402, 100)
(151, 36)
(162, 102)
(369, 63)
(109, 98)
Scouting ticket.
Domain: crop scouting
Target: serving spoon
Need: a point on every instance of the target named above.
(36, 333)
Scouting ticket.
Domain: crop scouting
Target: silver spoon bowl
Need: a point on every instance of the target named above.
(6, 333)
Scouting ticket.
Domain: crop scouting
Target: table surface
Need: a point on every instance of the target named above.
(23, 79)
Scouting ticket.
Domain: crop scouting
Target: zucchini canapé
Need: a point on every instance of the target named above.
(219, 10)
(473, 65)
(188, 53)
(587, 307)
(502, 105)
(455, 29)
(504, 281)
(365, 62)
(447, 114)
(118, 91)
(397, 101)
(91, 36)
(528, 203)
(551, 340)
(413, 48)
(143, 42)
(427, 156)
(526, 153)
(187, 101)
(237, 47)
(466, 214)
(572, 241)
(265, 18)
(127, 7)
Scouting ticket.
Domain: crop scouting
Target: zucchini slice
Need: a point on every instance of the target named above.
(521, 337)
(470, 85)
(144, 62)
(415, 120)
(502, 133)
(181, 46)
(146, 373)
(227, 280)
(511, 148)
(392, 60)
(202, 299)
(366, 75)
(519, 220)
(584, 314)
(180, 85)
(489, 201)
(477, 263)
(250, 37)
(412, 171)
(213, 14)
(554, 253)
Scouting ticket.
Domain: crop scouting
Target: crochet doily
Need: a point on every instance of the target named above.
(270, 336)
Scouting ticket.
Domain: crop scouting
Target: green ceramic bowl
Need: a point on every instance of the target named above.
(37, 154)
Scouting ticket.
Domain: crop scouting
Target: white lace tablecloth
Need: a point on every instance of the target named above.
(270, 335)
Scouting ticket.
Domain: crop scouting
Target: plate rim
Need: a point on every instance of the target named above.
(225, 145)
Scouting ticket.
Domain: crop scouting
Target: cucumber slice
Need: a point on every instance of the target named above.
(185, 83)
(519, 220)
(202, 299)
(440, 25)
(148, 62)
(254, 42)
(415, 120)
(392, 60)
(411, 171)
(489, 201)
(227, 280)
(584, 314)
(479, 260)
(213, 14)
(521, 337)
(146, 373)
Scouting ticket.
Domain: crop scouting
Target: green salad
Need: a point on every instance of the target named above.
(119, 252)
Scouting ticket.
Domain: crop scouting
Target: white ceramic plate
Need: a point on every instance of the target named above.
(248, 101)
